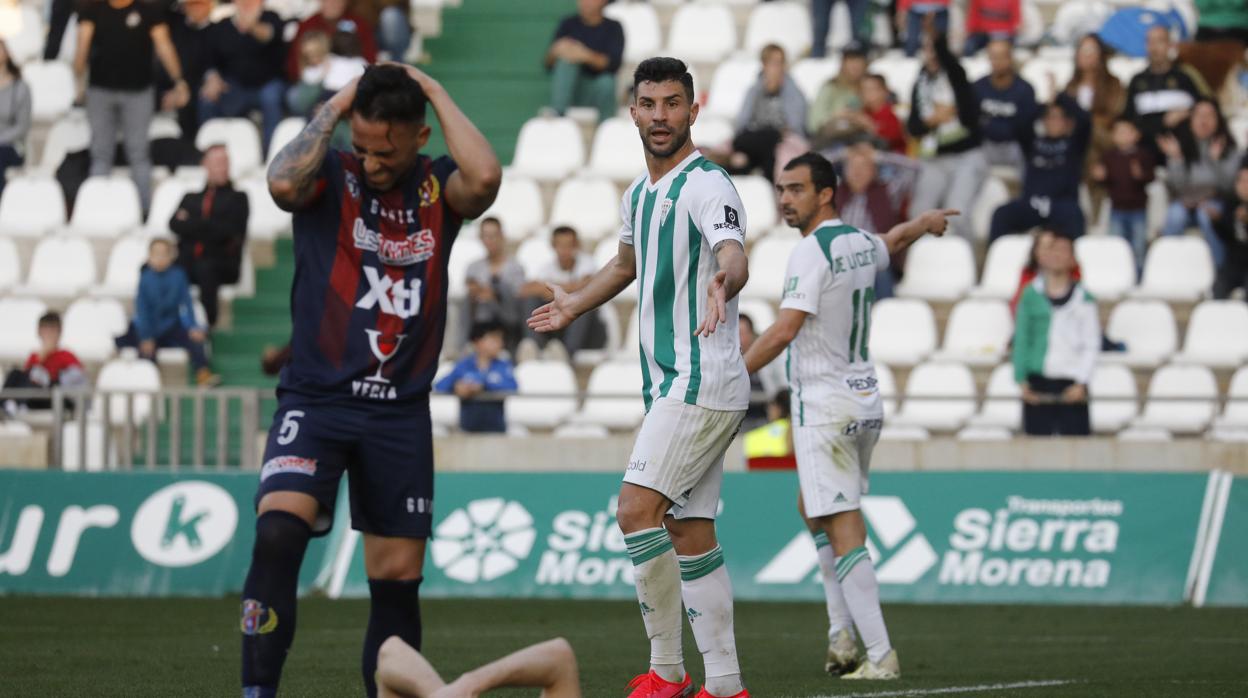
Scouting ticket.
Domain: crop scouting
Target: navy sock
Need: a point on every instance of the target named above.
(268, 612)
(395, 610)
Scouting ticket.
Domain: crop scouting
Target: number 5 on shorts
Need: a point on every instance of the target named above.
(290, 427)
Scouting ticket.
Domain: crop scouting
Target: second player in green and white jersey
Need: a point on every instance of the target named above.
(674, 227)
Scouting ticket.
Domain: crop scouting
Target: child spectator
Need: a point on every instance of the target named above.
(326, 65)
(1201, 161)
(164, 315)
(881, 120)
(494, 283)
(49, 366)
(483, 371)
(1232, 228)
(1125, 169)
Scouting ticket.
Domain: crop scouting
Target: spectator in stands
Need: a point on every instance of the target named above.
(47, 367)
(245, 72)
(583, 57)
(1125, 170)
(773, 109)
(117, 40)
(326, 65)
(335, 16)
(189, 24)
(1232, 228)
(1221, 19)
(1054, 168)
(1101, 94)
(483, 371)
(944, 117)
(164, 315)
(821, 23)
(1201, 161)
(58, 21)
(990, 20)
(211, 227)
(875, 203)
(1057, 339)
(393, 26)
(1006, 103)
(494, 285)
(1160, 97)
(919, 17)
(768, 444)
(1031, 269)
(829, 115)
(570, 269)
(764, 384)
(881, 121)
(14, 114)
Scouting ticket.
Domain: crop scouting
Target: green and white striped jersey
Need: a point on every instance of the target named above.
(831, 276)
(674, 225)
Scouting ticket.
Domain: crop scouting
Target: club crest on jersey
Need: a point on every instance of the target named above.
(664, 210)
(413, 249)
(257, 619)
(429, 191)
(353, 185)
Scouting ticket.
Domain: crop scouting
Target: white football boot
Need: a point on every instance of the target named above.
(843, 655)
(887, 668)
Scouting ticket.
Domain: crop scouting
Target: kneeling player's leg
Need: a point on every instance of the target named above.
(656, 574)
(283, 527)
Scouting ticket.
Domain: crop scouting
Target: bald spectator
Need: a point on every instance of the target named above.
(494, 286)
(773, 108)
(1006, 103)
(245, 72)
(875, 203)
(334, 16)
(583, 57)
(1160, 97)
(211, 227)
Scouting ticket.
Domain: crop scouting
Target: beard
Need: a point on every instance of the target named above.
(678, 140)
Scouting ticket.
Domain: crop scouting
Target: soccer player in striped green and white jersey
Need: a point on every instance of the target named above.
(824, 322)
(683, 240)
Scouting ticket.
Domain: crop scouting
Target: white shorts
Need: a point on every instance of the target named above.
(679, 453)
(832, 463)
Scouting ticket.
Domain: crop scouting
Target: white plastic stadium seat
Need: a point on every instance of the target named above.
(67, 135)
(784, 22)
(1181, 399)
(1217, 335)
(1148, 330)
(607, 248)
(444, 407)
(939, 397)
(759, 199)
(19, 317)
(52, 89)
(616, 152)
(977, 332)
(609, 316)
(266, 220)
(1177, 268)
(165, 201)
(711, 131)
(760, 312)
(613, 398)
(1037, 70)
(1113, 398)
(463, 253)
(546, 397)
(729, 85)
(127, 375)
(106, 207)
(91, 325)
(241, 139)
(10, 268)
(903, 331)
(769, 258)
(941, 269)
(548, 149)
(1003, 401)
(61, 267)
(285, 132)
(31, 206)
(1235, 416)
(702, 33)
(642, 34)
(163, 126)
(518, 207)
(888, 389)
(22, 28)
(591, 205)
(992, 195)
(811, 74)
(899, 72)
(125, 260)
(1006, 259)
(1107, 265)
(534, 254)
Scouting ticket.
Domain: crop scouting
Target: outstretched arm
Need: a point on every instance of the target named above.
(550, 666)
(775, 340)
(598, 289)
(734, 271)
(402, 672)
(293, 173)
(903, 235)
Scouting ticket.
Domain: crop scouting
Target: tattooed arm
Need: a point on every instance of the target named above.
(293, 172)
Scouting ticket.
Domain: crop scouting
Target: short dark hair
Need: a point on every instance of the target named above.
(50, 319)
(878, 78)
(781, 399)
(770, 49)
(563, 230)
(388, 93)
(159, 241)
(490, 219)
(822, 174)
(663, 69)
(481, 329)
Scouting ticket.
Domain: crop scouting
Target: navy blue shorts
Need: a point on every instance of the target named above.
(386, 452)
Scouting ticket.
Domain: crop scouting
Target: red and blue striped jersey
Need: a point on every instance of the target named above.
(369, 295)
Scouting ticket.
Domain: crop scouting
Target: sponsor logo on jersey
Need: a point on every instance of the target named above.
(287, 464)
(862, 384)
(353, 185)
(732, 219)
(377, 386)
(790, 289)
(257, 618)
(399, 298)
(402, 252)
(429, 191)
(860, 425)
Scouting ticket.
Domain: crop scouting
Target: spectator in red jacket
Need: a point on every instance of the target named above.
(335, 16)
(987, 20)
(877, 104)
(49, 366)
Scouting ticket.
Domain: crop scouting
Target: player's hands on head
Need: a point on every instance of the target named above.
(936, 221)
(555, 315)
(344, 98)
(716, 306)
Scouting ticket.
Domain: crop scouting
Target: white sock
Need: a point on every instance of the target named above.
(707, 592)
(839, 617)
(657, 575)
(857, 577)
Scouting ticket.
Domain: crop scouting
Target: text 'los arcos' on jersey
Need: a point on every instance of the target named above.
(369, 296)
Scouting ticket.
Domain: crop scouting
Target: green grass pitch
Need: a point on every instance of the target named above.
(182, 647)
